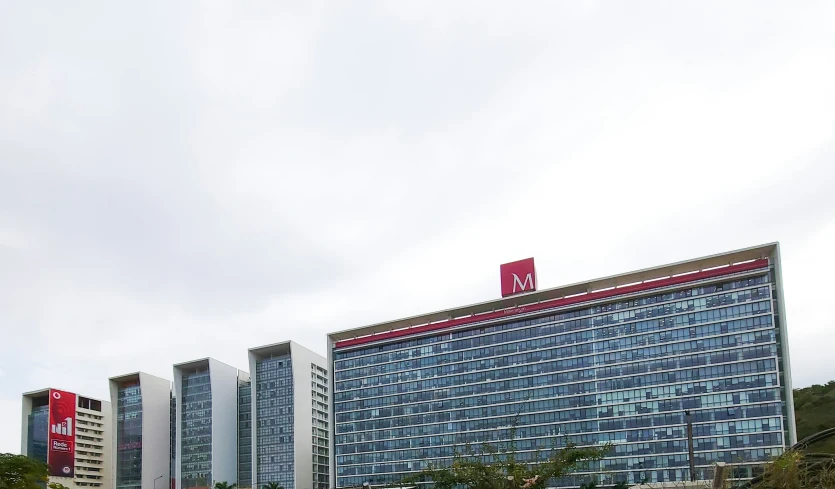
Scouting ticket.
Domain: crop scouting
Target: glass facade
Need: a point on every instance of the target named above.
(172, 447)
(319, 394)
(196, 422)
(244, 434)
(37, 432)
(274, 412)
(622, 373)
(129, 437)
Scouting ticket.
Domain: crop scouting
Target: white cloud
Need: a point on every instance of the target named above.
(184, 181)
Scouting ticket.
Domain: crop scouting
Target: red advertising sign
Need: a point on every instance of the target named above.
(129, 445)
(518, 276)
(61, 452)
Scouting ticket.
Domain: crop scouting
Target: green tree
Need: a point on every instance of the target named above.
(21, 472)
(497, 467)
(56, 485)
(272, 485)
(815, 411)
(225, 485)
(797, 470)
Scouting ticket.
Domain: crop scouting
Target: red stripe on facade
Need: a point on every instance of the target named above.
(550, 304)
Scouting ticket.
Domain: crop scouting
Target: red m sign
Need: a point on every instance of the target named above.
(518, 276)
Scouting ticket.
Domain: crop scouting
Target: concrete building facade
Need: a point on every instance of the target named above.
(206, 392)
(289, 392)
(140, 405)
(624, 360)
(72, 434)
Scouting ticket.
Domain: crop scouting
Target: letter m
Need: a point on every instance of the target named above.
(527, 284)
(518, 276)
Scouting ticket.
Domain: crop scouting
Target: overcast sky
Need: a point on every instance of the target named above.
(181, 180)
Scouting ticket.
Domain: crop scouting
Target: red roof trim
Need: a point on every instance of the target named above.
(629, 289)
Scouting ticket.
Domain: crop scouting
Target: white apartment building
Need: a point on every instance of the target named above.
(212, 424)
(72, 434)
(206, 423)
(141, 406)
(289, 392)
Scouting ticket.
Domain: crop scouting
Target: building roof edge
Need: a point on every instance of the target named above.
(598, 284)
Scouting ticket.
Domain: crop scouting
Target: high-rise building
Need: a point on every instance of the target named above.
(244, 434)
(193, 433)
(290, 412)
(72, 434)
(207, 423)
(625, 360)
(141, 405)
(172, 442)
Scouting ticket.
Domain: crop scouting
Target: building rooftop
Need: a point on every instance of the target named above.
(713, 265)
(200, 363)
(131, 377)
(45, 392)
(38, 393)
(282, 348)
(135, 377)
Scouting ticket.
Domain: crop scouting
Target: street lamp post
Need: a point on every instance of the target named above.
(690, 446)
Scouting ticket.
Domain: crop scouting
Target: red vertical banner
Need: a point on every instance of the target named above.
(61, 456)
